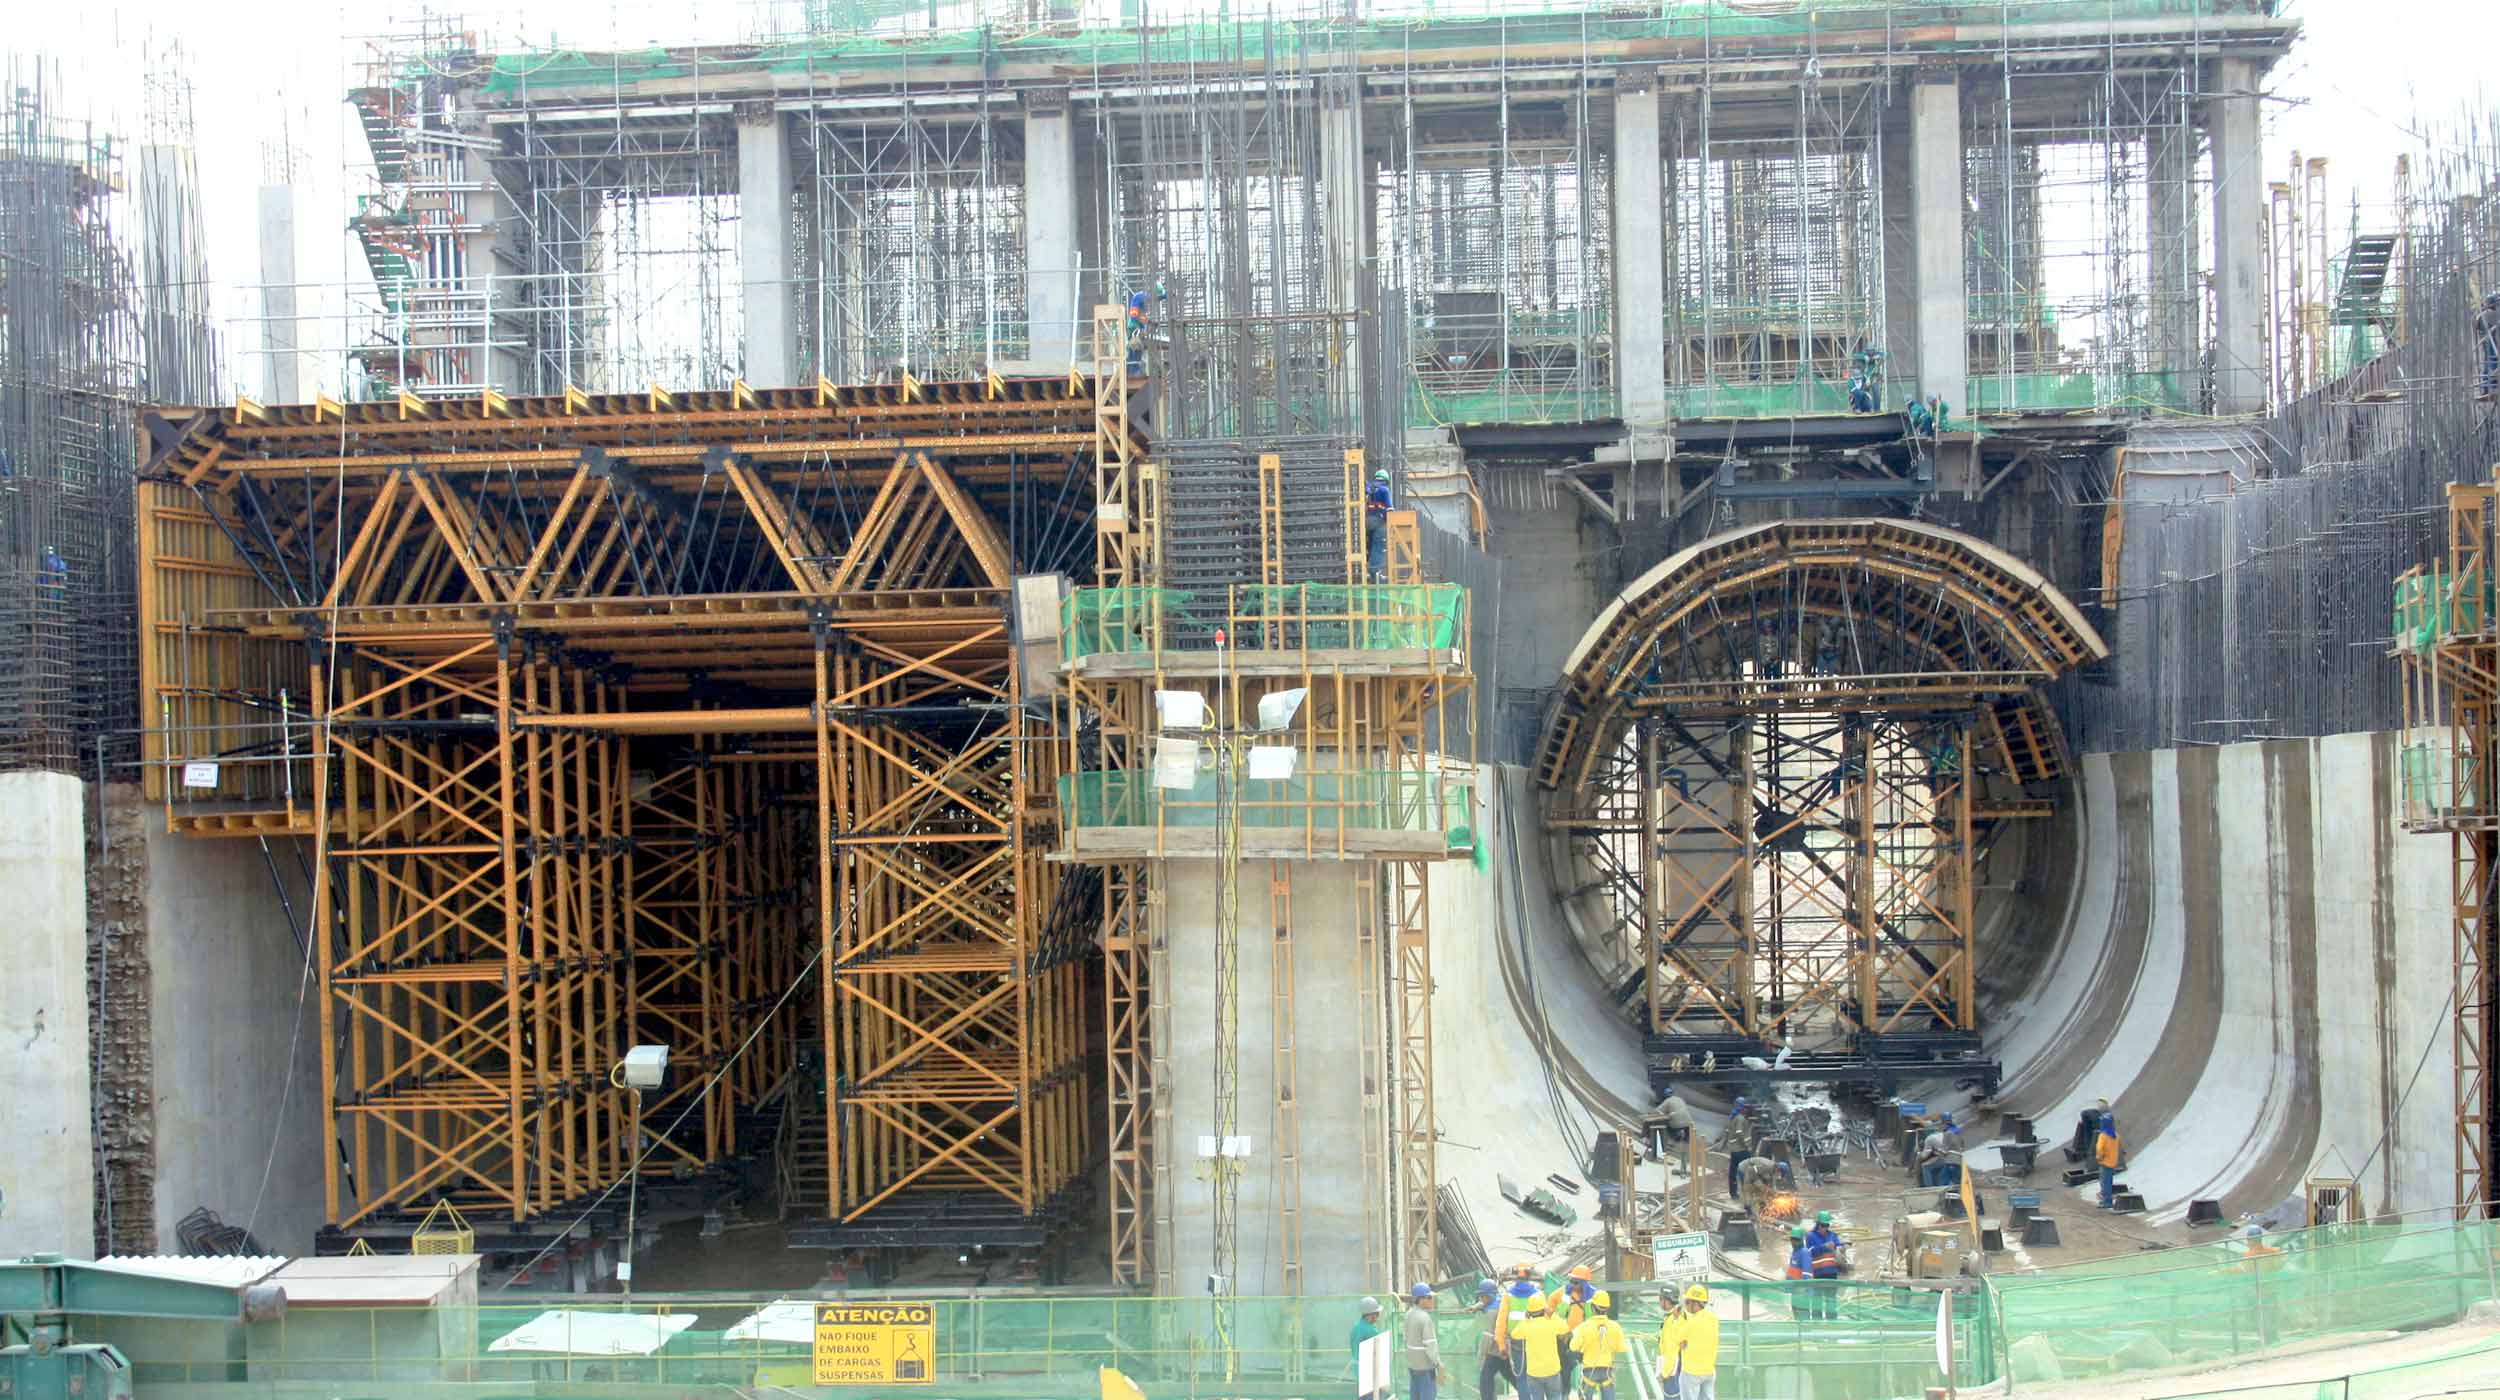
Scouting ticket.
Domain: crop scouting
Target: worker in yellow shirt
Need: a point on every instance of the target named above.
(1597, 1342)
(1688, 1348)
(1570, 1306)
(1540, 1336)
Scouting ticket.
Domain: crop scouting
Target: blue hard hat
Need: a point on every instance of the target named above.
(1421, 1290)
(1948, 1120)
(1486, 1288)
(1523, 1289)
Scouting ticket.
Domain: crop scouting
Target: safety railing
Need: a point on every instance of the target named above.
(2100, 1321)
(1300, 617)
(1321, 804)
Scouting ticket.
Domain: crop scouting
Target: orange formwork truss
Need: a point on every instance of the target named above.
(615, 719)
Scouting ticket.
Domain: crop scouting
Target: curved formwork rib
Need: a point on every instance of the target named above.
(1784, 751)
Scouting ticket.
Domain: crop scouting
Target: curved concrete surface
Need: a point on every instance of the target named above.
(1510, 989)
(2239, 947)
(2254, 969)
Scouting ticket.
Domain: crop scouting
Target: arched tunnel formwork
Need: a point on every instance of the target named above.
(2237, 945)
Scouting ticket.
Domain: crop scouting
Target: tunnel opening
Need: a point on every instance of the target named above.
(1774, 774)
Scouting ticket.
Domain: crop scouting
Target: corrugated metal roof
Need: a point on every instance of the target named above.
(228, 1270)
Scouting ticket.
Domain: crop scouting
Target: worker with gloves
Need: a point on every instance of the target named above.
(1540, 1336)
(1570, 1306)
(1424, 1371)
(1688, 1348)
(1492, 1354)
(2105, 1156)
(1594, 1346)
(1366, 1327)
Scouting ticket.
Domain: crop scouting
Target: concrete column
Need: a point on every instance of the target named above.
(46, 1108)
(2171, 210)
(1054, 258)
(1346, 226)
(2239, 238)
(766, 237)
(1943, 315)
(1640, 252)
(280, 382)
(1900, 257)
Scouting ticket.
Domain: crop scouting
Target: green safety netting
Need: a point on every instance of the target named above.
(2216, 1302)
(2429, 608)
(2082, 1324)
(873, 35)
(1291, 617)
(1323, 803)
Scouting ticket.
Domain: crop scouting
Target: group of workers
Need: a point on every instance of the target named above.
(1542, 1345)
(1813, 1255)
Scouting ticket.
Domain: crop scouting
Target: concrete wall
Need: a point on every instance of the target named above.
(2255, 971)
(230, 1005)
(48, 1172)
(1327, 1034)
(1558, 568)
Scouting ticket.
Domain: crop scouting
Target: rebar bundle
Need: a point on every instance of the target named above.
(85, 326)
(2263, 612)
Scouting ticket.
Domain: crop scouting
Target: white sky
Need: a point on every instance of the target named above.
(2371, 78)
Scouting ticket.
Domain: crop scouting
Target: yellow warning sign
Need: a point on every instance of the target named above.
(876, 1344)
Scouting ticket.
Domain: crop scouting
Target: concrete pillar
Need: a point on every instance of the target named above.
(1055, 260)
(2239, 238)
(2171, 211)
(1900, 257)
(280, 382)
(46, 1108)
(1346, 226)
(1943, 314)
(766, 237)
(1640, 252)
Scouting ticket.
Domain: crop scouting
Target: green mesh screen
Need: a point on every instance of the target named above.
(1360, 800)
(1292, 617)
(2081, 1324)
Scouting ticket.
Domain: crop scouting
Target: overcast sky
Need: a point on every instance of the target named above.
(270, 76)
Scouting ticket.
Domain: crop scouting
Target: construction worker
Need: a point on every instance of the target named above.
(1514, 1311)
(2487, 340)
(1492, 1354)
(1823, 1265)
(1376, 526)
(1935, 1159)
(1540, 1335)
(1366, 1327)
(1801, 1272)
(1570, 1306)
(2105, 1151)
(1688, 1348)
(1669, 1124)
(1757, 1182)
(1424, 1371)
(1594, 1346)
(1739, 1140)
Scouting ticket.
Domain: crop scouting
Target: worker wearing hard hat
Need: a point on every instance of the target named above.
(1376, 505)
(1570, 1306)
(1595, 1344)
(1514, 1310)
(1492, 1354)
(1540, 1336)
(1688, 1348)
(1366, 1327)
(1823, 1263)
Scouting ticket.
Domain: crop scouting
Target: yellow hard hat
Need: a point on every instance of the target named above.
(1696, 1294)
(1602, 1300)
(1536, 1304)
